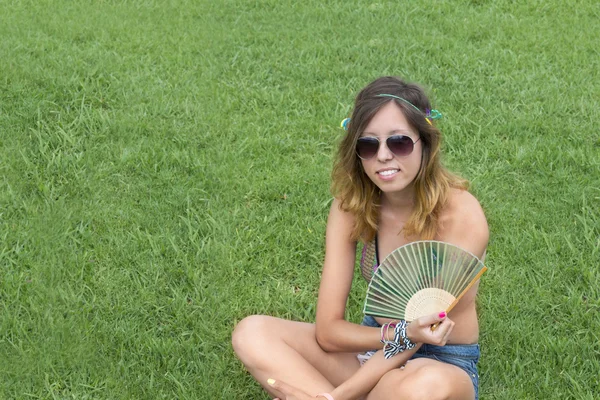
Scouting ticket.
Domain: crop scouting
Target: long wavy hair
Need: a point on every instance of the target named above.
(360, 196)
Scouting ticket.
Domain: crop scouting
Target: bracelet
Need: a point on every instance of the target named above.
(400, 343)
(390, 325)
(326, 395)
(384, 328)
(409, 345)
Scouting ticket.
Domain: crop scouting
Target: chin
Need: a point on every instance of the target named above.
(396, 188)
(392, 188)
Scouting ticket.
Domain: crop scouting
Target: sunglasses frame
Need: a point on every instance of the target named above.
(373, 138)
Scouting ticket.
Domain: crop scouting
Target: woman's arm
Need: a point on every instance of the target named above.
(333, 332)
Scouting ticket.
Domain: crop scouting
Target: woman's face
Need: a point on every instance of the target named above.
(392, 173)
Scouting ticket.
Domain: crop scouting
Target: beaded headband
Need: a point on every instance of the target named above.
(429, 114)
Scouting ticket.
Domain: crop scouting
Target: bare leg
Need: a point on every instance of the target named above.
(424, 379)
(288, 350)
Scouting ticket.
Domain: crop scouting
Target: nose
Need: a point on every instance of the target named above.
(383, 153)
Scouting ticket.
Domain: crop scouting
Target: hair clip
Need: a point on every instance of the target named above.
(344, 124)
(432, 114)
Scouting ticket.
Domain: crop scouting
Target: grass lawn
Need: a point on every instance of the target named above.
(164, 172)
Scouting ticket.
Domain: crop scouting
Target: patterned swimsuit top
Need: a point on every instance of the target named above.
(369, 261)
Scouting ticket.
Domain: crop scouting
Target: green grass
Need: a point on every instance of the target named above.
(164, 172)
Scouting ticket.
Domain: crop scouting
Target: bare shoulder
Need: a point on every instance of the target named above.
(463, 223)
(339, 244)
(340, 221)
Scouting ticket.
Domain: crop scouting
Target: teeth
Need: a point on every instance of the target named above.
(388, 172)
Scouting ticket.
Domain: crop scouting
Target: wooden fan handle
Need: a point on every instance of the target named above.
(451, 306)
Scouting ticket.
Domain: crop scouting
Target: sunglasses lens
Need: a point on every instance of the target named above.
(367, 147)
(400, 145)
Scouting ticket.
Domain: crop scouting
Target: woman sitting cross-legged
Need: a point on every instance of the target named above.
(390, 189)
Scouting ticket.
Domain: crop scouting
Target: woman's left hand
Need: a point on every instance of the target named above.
(289, 392)
(420, 330)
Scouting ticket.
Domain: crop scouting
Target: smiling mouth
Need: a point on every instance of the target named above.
(388, 172)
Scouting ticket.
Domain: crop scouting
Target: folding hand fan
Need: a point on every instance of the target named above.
(421, 278)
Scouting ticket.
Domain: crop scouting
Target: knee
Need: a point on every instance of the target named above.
(422, 384)
(428, 384)
(249, 336)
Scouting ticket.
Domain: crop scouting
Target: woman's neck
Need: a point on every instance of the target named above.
(399, 201)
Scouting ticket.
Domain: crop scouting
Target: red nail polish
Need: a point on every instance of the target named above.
(442, 314)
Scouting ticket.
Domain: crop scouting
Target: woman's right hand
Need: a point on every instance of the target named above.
(419, 330)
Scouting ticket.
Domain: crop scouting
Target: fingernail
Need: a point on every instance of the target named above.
(442, 314)
(271, 381)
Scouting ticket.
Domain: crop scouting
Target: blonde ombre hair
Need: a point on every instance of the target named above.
(360, 196)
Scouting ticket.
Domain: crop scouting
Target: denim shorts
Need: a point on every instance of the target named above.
(464, 356)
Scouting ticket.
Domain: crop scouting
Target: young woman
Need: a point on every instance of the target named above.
(390, 189)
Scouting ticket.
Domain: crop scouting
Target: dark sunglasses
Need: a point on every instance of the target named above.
(400, 145)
